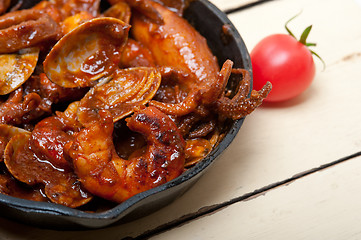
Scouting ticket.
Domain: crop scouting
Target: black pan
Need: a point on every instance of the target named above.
(208, 20)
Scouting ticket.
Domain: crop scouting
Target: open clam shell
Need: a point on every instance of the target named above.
(6, 133)
(128, 89)
(87, 53)
(16, 68)
(61, 186)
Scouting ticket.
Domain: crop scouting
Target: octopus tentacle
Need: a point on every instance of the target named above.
(187, 122)
(188, 105)
(203, 129)
(213, 89)
(207, 93)
(239, 106)
(17, 107)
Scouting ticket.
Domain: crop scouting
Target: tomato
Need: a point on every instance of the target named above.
(286, 63)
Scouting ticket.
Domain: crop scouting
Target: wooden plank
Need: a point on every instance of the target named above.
(324, 205)
(279, 141)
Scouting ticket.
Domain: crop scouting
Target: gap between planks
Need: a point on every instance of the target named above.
(246, 197)
(246, 5)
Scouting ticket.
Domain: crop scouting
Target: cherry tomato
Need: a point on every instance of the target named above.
(286, 63)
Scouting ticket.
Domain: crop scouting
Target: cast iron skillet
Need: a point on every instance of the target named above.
(208, 20)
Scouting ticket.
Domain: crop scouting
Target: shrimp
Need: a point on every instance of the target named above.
(103, 173)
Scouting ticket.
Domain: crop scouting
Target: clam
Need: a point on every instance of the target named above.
(6, 133)
(61, 186)
(16, 68)
(90, 51)
(10, 186)
(128, 89)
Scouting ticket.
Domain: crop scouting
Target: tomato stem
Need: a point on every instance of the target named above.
(303, 38)
(287, 29)
(305, 34)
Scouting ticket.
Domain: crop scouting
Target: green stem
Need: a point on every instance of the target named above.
(303, 38)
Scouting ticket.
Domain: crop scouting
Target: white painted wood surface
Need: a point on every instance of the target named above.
(275, 143)
(324, 205)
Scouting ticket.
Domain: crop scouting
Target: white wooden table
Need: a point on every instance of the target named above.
(294, 169)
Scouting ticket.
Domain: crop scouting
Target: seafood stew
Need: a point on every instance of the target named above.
(106, 114)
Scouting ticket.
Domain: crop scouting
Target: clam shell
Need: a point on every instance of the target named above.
(61, 186)
(16, 68)
(90, 51)
(129, 88)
